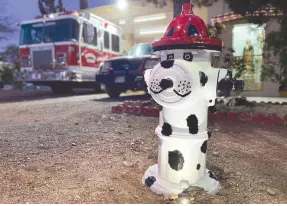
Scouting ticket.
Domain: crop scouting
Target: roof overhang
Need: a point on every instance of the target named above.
(271, 12)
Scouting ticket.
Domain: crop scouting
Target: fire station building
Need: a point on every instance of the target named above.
(144, 22)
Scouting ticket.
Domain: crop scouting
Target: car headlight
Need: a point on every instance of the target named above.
(25, 61)
(150, 63)
(106, 67)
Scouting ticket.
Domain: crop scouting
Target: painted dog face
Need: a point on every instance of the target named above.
(176, 83)
(171, 81)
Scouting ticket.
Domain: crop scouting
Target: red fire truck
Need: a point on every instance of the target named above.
(66, 50)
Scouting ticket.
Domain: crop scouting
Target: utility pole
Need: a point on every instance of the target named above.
(84, 4)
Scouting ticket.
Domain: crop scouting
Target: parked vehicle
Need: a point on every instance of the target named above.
(65, 50)
(1, 84)
(124, 73)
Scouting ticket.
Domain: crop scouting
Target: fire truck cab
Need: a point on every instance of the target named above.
(66, 50)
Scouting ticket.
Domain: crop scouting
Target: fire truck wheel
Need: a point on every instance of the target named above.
(97, 89)
(113, 92)
(61, 89)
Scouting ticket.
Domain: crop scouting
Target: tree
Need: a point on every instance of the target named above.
(61, 6)
(6, 28)
(6, 32)
(10, 58)
(244, 6)
(275, 56)
(6, 75)
(48, 6)
(11, 55)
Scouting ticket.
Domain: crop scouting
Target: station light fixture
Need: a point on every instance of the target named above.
(122, 21)
(157, 31)
(122, 4)
(150, 18)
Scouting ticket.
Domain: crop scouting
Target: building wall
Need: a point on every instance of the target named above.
(217, 8)
(137, 9)
(268, 89)
(202, 13)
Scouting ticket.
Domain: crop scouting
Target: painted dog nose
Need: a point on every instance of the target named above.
(166, 83)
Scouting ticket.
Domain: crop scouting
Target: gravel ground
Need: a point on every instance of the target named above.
(24, 95)
(74, 150)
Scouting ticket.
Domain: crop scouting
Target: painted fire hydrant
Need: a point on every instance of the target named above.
(185, 85)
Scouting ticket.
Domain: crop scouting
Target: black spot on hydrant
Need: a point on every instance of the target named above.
(149, 181)
(192, 123)
(212, 109)
(204, 147)
(203, 78)
(166, 129)
(212, 175)
(175, 160)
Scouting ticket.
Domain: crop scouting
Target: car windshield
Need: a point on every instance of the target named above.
(51, 31)
(140, 49)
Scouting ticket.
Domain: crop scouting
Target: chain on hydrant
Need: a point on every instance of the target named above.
(185, 85)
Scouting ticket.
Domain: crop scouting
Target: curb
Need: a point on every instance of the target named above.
(146, 109)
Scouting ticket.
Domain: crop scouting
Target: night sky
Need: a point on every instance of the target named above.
(21, 10)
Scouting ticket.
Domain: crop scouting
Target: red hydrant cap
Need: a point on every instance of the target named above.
(187, 31)
(187, 9)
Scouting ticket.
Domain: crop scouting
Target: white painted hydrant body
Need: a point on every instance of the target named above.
(185, 85)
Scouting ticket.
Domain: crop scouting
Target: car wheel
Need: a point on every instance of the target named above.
(113, 92)
(97, 89)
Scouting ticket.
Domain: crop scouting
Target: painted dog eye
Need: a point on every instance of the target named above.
(188, 56)
(170, 57)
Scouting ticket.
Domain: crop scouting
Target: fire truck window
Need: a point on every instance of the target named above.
(171, 31)
(89, 34)
(101, 46)
(85, 33)
(106, 40)
(115, 43)
(192, 31)
(95, 39)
